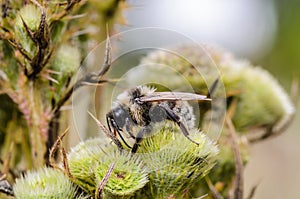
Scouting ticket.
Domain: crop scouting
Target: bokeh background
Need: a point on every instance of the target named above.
(265, 32)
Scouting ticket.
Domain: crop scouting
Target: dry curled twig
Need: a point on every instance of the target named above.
(53, 150)
(239, 168)
(252, 192)
(107, 132)
(214, 191)
(69, 7)
(93, 78)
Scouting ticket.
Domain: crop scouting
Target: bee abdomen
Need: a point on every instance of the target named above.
(186, 112)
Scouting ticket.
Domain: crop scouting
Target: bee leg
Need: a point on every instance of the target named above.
(139, 137)
(108, 122)
(111, 121)
(175, 118)
(128, 124)
(119, 133)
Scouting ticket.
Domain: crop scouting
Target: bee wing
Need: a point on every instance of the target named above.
(173, 96)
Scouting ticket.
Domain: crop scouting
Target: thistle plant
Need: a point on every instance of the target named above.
(42, 46)
(167, 165)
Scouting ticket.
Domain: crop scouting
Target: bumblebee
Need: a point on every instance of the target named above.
(142, 107)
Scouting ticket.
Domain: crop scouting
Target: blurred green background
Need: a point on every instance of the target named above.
(268, 34)
(283, 60)
(275, 163)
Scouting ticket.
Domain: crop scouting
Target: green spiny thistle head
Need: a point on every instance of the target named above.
(90, 160)
(29, 16)
(128, 175)
(83, 159)
(44, 183)
(174, 162)
(67, 60)
(261, 101)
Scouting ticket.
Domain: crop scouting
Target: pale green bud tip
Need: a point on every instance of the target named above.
(31, 16)
(67, 59)
(44, 183)
(279, 103)
(128, 175)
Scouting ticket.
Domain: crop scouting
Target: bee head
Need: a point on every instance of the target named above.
(139, 92)
(133, 95)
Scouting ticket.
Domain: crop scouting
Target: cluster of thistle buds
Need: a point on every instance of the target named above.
(167, 165)
(96, 168)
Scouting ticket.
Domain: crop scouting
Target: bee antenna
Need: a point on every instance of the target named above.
(212, 88)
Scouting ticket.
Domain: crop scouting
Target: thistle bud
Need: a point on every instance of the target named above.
(175, 163)
(28, 19)
(67, 60)
(44, 183)
(82, 160)
(128, 175)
